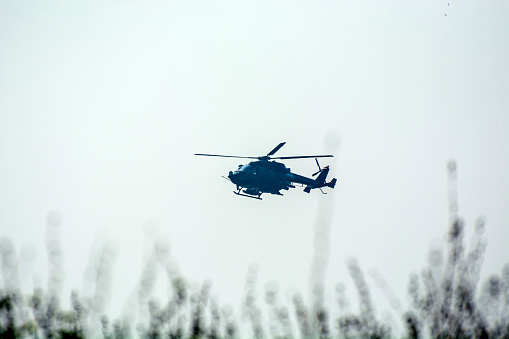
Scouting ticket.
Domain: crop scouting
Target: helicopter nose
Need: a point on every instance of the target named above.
(231, 176)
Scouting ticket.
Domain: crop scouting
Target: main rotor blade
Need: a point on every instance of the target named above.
(276, 149)
(224, 156)
(304, 156)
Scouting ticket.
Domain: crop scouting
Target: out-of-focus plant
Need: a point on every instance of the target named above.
(450, 308)
(453, 307)
(365, 324)
(7, 318)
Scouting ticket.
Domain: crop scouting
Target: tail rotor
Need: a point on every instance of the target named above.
(319, 168)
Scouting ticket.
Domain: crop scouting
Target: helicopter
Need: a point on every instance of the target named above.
(266, 176)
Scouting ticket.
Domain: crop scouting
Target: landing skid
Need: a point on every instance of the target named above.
(249, 196)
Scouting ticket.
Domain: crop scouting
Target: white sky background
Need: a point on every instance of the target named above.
(102, 105)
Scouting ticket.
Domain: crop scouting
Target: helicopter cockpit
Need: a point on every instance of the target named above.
(242, 170)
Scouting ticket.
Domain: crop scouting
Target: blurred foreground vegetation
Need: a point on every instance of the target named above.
(447, 301)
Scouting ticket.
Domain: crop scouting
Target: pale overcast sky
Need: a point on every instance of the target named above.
(103, 103)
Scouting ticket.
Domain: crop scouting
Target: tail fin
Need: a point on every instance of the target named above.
(322, 176)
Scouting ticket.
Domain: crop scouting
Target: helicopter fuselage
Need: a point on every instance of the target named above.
(265, 176)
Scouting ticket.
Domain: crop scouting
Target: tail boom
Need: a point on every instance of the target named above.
(319, 182)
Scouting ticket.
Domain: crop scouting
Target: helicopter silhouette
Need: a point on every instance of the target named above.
(266, 176)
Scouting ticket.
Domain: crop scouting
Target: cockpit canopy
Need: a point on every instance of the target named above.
(244, 168)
